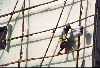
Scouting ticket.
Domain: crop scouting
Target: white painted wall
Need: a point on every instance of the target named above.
(42, 18)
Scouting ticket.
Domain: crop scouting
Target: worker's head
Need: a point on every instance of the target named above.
(68, 26)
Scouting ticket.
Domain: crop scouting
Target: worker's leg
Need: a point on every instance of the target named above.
(61, 48)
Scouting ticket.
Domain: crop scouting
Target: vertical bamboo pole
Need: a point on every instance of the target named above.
(79, 35)
(21, 52)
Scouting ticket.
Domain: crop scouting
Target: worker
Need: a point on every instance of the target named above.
(63, 37)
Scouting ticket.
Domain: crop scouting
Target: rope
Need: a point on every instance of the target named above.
(26, 8)
(79, 35)
(47, 30)
(43, 57)
(53, 33)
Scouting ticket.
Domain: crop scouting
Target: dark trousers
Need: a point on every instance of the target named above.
(63, 45)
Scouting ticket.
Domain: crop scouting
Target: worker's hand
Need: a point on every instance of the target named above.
(60, 40)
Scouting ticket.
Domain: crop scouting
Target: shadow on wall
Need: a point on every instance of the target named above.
(72, 41)
(88, 38)
(27, 48)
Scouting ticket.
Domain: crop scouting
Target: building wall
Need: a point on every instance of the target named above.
(42, 18)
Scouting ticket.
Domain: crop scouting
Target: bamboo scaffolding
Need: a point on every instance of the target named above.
(19, 61)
